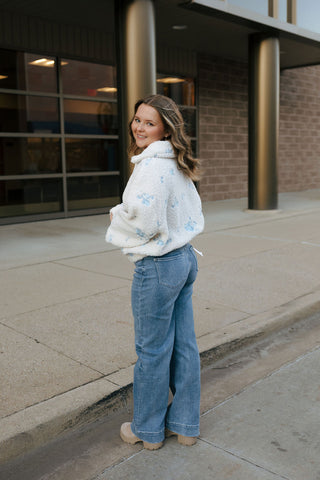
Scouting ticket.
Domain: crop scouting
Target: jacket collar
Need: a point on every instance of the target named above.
(161, 148)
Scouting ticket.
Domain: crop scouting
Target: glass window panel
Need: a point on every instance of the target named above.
(41, 73)
(189, 116)
(28, 113)
(90, 79)
(308, 14)
(93, 192)
(12, 69)
(85, 117)
(84, 155)
(259, 6)
(34, 196)
(194, 147)
(26, 71)
(20, 156)
(180, 89)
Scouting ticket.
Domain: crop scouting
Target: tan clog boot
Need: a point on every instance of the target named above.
(182, 439)
(128, 436)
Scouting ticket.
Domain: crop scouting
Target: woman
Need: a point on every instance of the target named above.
(161, 212)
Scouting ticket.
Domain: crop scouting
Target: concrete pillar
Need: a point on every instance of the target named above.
(264, 87)
(136, 60)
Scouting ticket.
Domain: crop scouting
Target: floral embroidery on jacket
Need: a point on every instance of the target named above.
(161, 208)
(145, 198)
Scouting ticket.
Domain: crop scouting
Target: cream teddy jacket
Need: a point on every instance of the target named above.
(161, 208)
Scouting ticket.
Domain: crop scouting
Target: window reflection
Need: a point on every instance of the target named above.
(22, 197)
(22, 71)
(93, 192)
(194, 147)
(31, 111)
(189, 116)
(28, 113)
(89, 79)
(180, 89)
(41, 73)
(84, 155)
(82, 116)
(21, 156)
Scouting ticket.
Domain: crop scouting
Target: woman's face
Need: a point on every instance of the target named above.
(147, 126)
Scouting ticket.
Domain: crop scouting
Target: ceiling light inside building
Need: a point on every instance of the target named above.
(45, 62)
(107, 89)
(171, 80)
(179, 27)
(2, 77)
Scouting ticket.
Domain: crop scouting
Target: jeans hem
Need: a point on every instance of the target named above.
(185, 430)
(151, 437)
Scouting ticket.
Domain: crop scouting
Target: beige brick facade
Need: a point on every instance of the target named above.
(223, 129)
(299, 140)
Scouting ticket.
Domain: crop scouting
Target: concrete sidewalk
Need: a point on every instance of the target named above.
(66, 330)
(268, 431)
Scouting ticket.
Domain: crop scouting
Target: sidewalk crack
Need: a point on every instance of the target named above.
(244, 459)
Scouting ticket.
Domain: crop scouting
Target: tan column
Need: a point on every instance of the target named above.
(136, 47)
(273, 8)
(264, 86)
(292, 11)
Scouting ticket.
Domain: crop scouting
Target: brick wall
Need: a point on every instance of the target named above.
(299, 139)
(223, 129)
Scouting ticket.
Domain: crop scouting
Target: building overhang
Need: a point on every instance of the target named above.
(218, 28)
(212, 27)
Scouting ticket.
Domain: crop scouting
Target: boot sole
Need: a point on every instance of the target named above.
(182, 439)
(134, 440)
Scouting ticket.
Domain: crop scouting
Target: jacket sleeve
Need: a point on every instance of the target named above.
(138, 219)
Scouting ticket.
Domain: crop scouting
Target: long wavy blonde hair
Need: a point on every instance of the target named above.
(174, 126)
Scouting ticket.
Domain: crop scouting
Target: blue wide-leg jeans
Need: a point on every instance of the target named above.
(168, 356)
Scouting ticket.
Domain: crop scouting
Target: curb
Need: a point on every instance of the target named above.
(36, 425)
